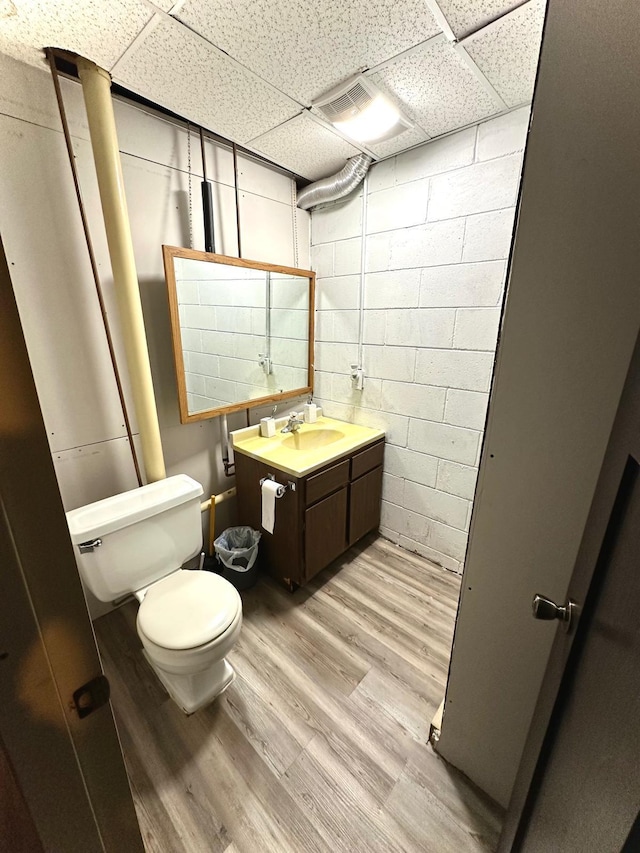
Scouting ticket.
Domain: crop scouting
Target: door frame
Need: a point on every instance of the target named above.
(564, 655)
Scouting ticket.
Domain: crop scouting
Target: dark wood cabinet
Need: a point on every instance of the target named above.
(365, 495)
(325, 532)
(318, 517)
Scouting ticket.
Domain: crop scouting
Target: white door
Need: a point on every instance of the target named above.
(578, 786)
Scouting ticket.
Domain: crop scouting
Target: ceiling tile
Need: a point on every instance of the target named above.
(305, 48)
(181, 71)
(507, 52)
(408, 139)
(165, 5)
(465, 16)
(306, 147)
(95, 29)
(435, 88)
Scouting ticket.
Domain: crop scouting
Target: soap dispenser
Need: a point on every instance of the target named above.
(268, 425)
(310, 411)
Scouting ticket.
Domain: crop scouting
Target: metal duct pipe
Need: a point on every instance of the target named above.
(335, 186)
(96, 88)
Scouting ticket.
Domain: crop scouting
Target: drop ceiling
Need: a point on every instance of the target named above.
(250, 69)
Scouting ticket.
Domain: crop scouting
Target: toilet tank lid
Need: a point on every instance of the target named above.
(111, 514)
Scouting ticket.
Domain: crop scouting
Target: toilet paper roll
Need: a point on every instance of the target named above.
(270, 491)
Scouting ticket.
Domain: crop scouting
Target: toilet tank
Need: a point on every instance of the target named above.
(143, 535)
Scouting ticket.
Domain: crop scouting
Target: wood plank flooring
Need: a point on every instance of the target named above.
(320, 743)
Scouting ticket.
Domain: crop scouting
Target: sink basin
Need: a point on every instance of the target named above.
(312, 446)
(305, 441)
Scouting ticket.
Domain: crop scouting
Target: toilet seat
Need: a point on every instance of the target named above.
(188, 609)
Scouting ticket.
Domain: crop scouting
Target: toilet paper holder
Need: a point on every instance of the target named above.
(281, 492)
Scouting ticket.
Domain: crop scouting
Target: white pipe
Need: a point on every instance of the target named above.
(96, 87)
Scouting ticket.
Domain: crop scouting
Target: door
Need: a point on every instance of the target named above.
(325, 532)
(64, 767)
(578, 785)
(365, 497)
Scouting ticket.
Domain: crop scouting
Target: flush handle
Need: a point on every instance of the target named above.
(87, 547)
(545, 608)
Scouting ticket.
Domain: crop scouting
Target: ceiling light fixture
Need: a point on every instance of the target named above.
(358, 109)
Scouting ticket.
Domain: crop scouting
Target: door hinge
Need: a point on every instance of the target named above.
(91, 696)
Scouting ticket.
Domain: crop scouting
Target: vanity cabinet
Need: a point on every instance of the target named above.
(319, 516)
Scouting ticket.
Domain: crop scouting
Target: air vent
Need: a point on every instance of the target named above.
(359, 110)
(348, 104)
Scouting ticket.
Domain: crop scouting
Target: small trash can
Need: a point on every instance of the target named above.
(237, 551)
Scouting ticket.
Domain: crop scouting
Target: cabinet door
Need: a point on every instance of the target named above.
(325, 532)
(364, 504)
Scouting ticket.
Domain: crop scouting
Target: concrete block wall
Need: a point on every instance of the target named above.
(439, 221)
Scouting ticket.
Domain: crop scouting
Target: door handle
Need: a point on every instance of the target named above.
(545, 608)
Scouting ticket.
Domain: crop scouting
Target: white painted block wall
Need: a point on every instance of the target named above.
(439, 224)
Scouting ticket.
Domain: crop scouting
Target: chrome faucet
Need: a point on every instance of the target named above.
(294, 424)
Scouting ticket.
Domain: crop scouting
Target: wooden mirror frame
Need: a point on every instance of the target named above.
(171, 252)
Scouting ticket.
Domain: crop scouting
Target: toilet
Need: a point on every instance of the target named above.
(188, 621)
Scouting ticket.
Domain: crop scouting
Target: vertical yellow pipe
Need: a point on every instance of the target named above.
(96, 87)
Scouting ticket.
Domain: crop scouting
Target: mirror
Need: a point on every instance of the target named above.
(242, 331)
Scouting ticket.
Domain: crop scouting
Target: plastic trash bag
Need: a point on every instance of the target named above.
(237, 548)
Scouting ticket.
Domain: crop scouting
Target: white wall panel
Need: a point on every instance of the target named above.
(90, 473)
(302, 247)
(150, 137)
(54, 288)
(266, 229)
(259, 179)
(41, 230)
(27, 93)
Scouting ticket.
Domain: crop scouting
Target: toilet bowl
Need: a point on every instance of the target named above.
(186, 639)
(188, 621)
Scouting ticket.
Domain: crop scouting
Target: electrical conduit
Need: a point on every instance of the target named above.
(358, 374)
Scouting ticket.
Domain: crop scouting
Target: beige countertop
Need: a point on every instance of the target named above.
(309, 448)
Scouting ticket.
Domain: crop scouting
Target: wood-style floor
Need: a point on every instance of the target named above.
(320, 743)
